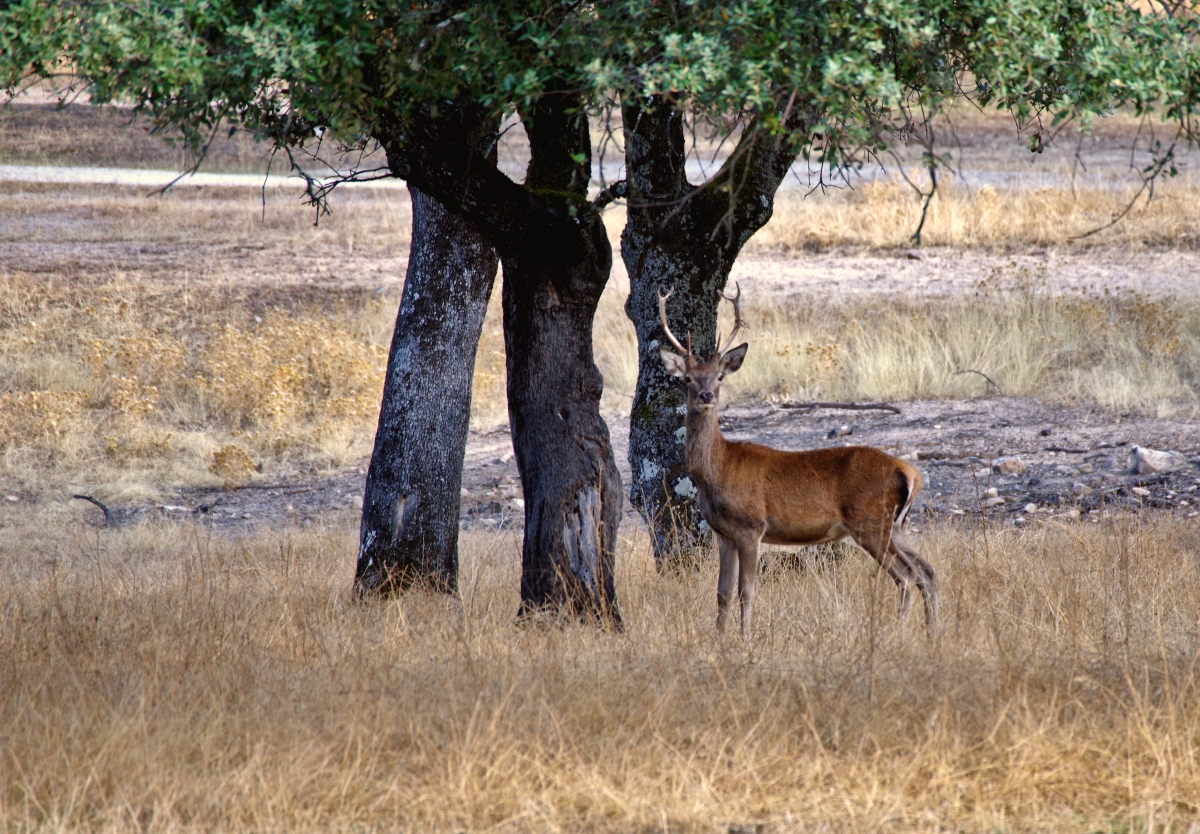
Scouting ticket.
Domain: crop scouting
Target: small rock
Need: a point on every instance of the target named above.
(1143, 461)
(1141, 492)
(506, 457)
(356, 502)
(1085, 469)
(1031, 508)
(1046, 432)
(991, 492)
(1081, 489)
(518, 504)
(910, 456)
(840, 431)
(464, 492)
(12, 498)
(993, 502)
(1011, 465)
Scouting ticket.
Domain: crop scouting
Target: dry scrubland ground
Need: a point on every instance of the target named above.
(164, 675)
(164, 678)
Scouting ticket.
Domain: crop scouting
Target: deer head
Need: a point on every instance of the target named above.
(703, 379)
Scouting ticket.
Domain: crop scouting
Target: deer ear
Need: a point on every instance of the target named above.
(732, 360)
(676, 365)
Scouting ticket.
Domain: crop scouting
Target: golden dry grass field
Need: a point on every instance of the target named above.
(165, 676)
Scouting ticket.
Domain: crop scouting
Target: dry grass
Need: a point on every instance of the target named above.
(884, 214)
(165, 679)
(1119, 352)
(127, 387)
(372, 223)
(79, 134)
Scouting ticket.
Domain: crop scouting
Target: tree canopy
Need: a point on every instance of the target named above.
(284, 69)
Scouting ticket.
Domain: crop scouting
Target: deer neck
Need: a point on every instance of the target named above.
(705, 445)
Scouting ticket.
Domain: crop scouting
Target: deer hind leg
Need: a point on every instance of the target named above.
(726, 579)
(879, 539)
(747, 549)
(921, 572)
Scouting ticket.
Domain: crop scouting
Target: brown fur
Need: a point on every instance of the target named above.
(750, 494)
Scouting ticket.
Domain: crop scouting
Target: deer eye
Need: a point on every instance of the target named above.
(720, 377)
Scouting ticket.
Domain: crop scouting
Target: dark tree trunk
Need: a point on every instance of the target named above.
(573, 492)
(683, 238)
(556, 260)
(410, 519)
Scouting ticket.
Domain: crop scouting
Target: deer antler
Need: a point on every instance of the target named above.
(737, 320)
(662, 317)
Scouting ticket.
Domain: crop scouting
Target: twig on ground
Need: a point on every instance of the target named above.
(107, 515)
(999, 390)
(845, 406)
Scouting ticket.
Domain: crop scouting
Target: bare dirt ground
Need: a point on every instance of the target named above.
(1076, 462)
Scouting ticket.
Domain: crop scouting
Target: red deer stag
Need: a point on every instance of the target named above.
(750, 494)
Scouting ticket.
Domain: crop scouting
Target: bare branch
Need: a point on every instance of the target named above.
(999, 390)
(810, 406)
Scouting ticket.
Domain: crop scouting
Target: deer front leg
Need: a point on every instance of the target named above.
(747, 547)
(725, 579)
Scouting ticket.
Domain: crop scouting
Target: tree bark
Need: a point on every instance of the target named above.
(684, 238)
(573, 493)
(410, 520)
(556, 259)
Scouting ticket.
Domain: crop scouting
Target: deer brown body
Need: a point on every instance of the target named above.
(749, 494)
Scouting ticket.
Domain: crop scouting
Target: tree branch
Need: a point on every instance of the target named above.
(443, 155)
(844, 406)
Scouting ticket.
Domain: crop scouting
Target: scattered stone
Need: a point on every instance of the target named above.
(1010, 465)
(12, 498)
(1141, 492)
(1081, 489)
(840, 431)
(1031, 508)
(993, 502)
(518, 504)
(991, 492)
(914, 256)
(1143, 461)
(1085, 469)
(464, 492)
